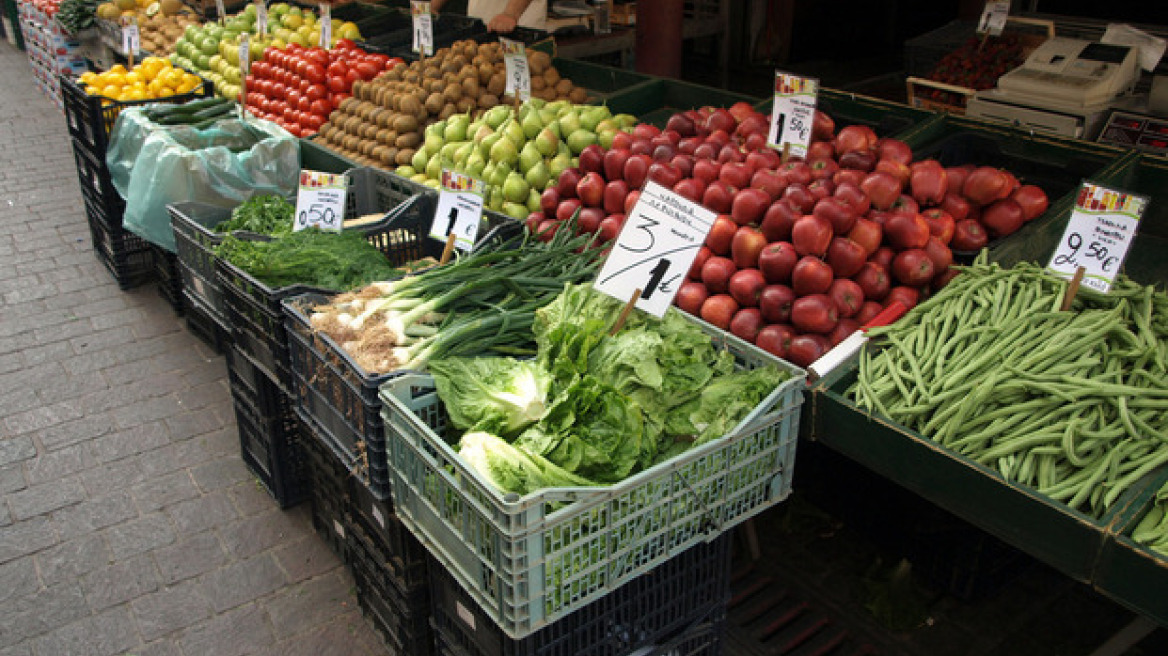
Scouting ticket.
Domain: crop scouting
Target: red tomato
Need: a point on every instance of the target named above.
(278, 91)
(318, 55)
(293, 96)
(249, 80)
(264, 87)
(337, 84)
(321, 107)
(314, 73)
(336, 69)
(301, 67)
(344, 44)
(259, 70)
(367, 70)
(377, 59)
(303, 85)
(269, 52)
(313, 122)
(289, 114)
(316, 92)
(336, 98)
(350, 77)
(304, 104)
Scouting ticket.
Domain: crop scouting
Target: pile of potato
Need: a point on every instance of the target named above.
(382, 123)
(159, 32)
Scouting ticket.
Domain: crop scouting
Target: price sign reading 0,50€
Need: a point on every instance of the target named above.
(320, 202)
(793, 113)
(655, 249)
(1098, 234)
(460, 206)
(423, 28)
(518, 77)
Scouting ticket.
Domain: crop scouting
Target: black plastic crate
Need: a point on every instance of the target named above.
(399, 556)
(204, 326)
(341, 397)
(651, 610)
(401, 617)
(329, 489)
(128, 257)
(169, 280)
(96, 185)
(269, 431)
(193, 226)
(397, 34)
(92, 118)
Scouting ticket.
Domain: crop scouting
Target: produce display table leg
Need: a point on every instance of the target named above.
(1127, 637)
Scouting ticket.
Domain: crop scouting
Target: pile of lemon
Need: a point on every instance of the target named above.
(153, 78)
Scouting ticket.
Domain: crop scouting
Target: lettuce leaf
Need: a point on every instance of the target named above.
(513, 469)
(497, 395)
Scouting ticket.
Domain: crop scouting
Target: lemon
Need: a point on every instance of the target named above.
(133, 77)
(87, 77)
(117, 68)
(115, 79)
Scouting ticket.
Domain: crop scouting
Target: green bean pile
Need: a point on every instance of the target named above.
(1073, 404)
(1152, 530)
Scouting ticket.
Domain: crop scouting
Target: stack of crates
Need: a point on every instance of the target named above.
(51, 50)
(201, 297)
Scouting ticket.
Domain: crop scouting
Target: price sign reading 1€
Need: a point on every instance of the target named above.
(423, 28)
(518, 77)
(326, 25)
(261, 18)
(993, 17)
(1098, 235)
(320, 202)
(460, 206)
(793, 113)
(655, 249)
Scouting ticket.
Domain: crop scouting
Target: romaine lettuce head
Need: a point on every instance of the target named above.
(494, 394)
(513, 469)
(725, 402)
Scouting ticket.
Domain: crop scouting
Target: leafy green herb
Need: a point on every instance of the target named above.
(341, 261)
(266, 214)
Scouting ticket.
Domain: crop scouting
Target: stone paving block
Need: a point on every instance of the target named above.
(306, 558)
(250, 498)
(69, 387)
(164, 647)
(259, 533)
(52, 352)
(45, 498)
(129, 442)
(119, 582)
(23, 649)
(243, 581)
(121, 320)
(109, 338)
(239, 632)
(311, 603)
(174, 456)
(16, 449)
(73, 559)
(192, 423)
(43, 611)
(44, 416)
(171, 609)
(223, 443)
(58, 465)
(21, 538)
(96, 513)
(74, 432)
(20, 400)
(18, 578)
(108, 634)
(140, 535)
(12, 478)
(346, 635)
(163, 491)
(202, 513)
(220, 473)
(191, 557)
(201, 396)
(146, 411)
(116, 476)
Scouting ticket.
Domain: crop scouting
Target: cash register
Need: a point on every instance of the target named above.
(1066, 86)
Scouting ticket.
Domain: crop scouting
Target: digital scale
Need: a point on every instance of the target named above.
(1139, 131)
(1066, 86)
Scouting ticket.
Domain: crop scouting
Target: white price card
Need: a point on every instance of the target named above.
(320, 202)
(244, 55)
(460, 206)
(423, 28)
(130, 38)
(993, 17)
(793, 113)
(261, 18)
(655, 249)
(518, 77)
(221, 11)
(1098, 235)
(326, 26)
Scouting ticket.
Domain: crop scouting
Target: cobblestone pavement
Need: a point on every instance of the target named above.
(129, 524)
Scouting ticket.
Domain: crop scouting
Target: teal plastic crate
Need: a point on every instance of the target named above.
(316, 157)
(530, 561)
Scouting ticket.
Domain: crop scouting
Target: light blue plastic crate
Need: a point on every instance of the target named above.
(532, 560)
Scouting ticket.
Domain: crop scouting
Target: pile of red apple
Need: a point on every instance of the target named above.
(802, 253)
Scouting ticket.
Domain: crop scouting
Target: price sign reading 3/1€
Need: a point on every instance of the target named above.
(518, 77)
(793, 113)
(423, 28)
(993, 17)
(320, 202)
(460, 206)
(1098, 235)
(655, 249)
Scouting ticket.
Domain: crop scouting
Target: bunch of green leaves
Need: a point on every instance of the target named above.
(330, 260)
(266, 214)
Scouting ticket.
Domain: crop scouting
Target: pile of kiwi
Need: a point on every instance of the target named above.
(382, 123)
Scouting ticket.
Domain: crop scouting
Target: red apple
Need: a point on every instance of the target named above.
(721, 234)
(800, 197)
(718, 197)
(777, 261)
(778, 220)
(533, 220)
(823, 169)
(905, 203)
(622, 140)
(772, 182)
(906, 230)
(806, 349)
(1032, 199)
(940, 254)
(735, 174)
(568, 209)
(944, 278)
(842, 330)
(614, 163)
(688, 145)
(847, 295)
(663, 152)
(746, 324)
(636, 170)
(815, 313)
(811, 235)
(845, 257)
(748, 206)
(913, 267)
(681, 124)
(566, 185)
(873, 280)
(822, 127)
(907, 296)
(1003, 217)
(985, 185)
(855, 137)
(957, 176)
(592, 159)
(894, 150)
(706, 170)
(929, 182)
(797, 171)
(721, 119)
(746, 287)
(611, 226)
(956, 206)
(706, 150)
(716, 273)
(811, 275)
(645, 131)
(664, 174)
(868, 312)
(755, 123)
(547, 229)
(731, 153)
(868, 234)
(690, 188)
(631, 200)
(614, 196)
(941, 224)
(883, 256)
(821, 150)
(839, 214)
(897, 170)
(695, 269)
(775, 302)
(719, 310)
(882, 189)
(858, 160)
(746, 246)
(589, 220)
(821, 189)
(549, 200)
(684, 163)
(851, 195)
(590, 189)
(775, 339)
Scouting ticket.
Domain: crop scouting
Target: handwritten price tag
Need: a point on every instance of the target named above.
(130, 38)
(460, 206)
(326, 26)
(1098, 235)
(244, 55)
(423, 28)
(518, 77)
(793, 112)
(320, 202)
(261, 18)
(993, 17)
(655, 249)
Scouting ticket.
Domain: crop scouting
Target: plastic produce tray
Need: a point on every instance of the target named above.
(169, 278)
(128, 257)
(253, 309)
(92, 118)
(97, 188)
(602, 82)
(330, 489)
(888, 119)
(315, 156)
(401, 618)
(193, 225)
(684, 591)
(204, 325)
(341, 396)
(399, 555)
(1130, 572)
(658, 99)
(527, 565)
(269, 431)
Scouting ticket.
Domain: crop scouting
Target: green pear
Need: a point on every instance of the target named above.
(447, 151)
(515, 133)
(562, 149)
(434, 141)
(434, 168)
(591, 117)
(569, 123)
(496, 115)
(533, 201)
(495, 199)
(558, 165)
(421, 158)
(489, 142)
(488, 171)
(626, 121)
(554, 127)
(515, 210)
(475, 164)
(502, 170)
(546, 142)
(604, 138)
(481, 132)
(462, 152)
(435, 128)
(420, 178)
(515, 188)
(537, 103)
(529, 156)
(537, 177)
(531, 124)
(559, 106)
(405, 171)
(607, 125)
(504, 151)
(580, 139)
(456, 127)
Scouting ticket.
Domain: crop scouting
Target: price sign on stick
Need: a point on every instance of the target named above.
(326, 26)
(130, 39)
(655, 249)
(1098, 235)
(244, 55)
(518, 77)
(460, 206)
(261, 18)
(221, 11)
(321, 201)
(993, 17)
(793, 113)
(423, 28)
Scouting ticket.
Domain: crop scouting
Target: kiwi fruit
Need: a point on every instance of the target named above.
(409, 140)
(405, 123)
(578, 95)
(404, 156)
(497, 84)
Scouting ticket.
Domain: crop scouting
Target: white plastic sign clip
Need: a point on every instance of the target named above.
(518, 76)
(423, 28)
(460, 207)
(1098, 235)
(655, 249)
(793, 113)
(221, 11)
(244, 55)
(993, 17)
(320, 203)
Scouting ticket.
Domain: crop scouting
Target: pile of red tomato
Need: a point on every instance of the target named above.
(298, 87)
